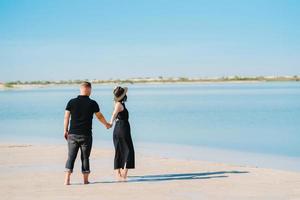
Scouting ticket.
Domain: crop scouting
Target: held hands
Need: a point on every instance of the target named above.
(108, 125)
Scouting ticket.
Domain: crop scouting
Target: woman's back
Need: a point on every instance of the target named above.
(123, 115)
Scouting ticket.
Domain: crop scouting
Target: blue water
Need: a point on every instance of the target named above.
(251, 117)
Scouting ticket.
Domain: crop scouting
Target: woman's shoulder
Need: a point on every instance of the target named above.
(119, 106)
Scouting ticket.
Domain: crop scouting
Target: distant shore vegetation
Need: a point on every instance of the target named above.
(160, 79)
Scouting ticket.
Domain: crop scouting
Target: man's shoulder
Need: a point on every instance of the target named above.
(93, 101)
(70, 104)
(73, 99)
(95, 106)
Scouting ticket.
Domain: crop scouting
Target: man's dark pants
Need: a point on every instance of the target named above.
(84, 143)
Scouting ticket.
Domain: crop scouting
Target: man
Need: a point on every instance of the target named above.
(79, 135)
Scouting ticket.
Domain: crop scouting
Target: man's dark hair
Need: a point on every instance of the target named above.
(86, 84)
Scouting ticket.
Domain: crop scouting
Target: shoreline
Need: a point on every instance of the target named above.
(223, 155)
(28, 175)
(58, 85)
(185, 152)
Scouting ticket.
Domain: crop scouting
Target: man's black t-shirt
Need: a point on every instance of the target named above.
(82, 110)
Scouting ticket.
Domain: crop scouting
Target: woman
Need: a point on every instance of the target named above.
(124, 151)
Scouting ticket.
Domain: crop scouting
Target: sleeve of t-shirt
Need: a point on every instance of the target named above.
(96, 107)
(68, 107)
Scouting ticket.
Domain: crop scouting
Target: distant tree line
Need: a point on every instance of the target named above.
(159, 79)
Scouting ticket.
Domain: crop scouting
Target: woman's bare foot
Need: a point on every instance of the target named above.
(118, 175)
(121, 179)
(124, 179)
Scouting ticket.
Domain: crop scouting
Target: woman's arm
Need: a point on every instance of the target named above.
(118, 108)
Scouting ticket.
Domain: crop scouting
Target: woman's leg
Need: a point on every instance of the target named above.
(124, 173)
(118, 174)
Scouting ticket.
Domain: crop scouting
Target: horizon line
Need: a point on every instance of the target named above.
(160, 78)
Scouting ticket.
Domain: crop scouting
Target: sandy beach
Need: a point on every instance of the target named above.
(36, 172)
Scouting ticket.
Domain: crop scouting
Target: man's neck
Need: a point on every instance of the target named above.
(84, 95)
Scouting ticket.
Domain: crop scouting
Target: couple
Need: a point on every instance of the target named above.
(79, 133)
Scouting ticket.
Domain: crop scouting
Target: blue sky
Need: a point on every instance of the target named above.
(69, 39)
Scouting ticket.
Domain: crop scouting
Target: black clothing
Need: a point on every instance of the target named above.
(124, 150)
(82, 110)
(84, 143)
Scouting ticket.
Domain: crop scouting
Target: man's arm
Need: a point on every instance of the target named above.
(66, 124)
(102, 119)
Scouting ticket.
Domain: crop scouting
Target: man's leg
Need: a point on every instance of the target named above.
(67, 178)
(86, 178)
(73, 148)
(86, 147)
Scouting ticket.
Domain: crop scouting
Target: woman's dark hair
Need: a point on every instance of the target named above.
(124, 99)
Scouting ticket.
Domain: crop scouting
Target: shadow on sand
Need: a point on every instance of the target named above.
(181, 176)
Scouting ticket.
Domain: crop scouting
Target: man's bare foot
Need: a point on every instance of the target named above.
(67, 178)
(67, 182)
(86, 178)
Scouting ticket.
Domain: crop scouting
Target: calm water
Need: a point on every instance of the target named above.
(252, 117)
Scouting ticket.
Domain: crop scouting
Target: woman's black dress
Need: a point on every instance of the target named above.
(124, 151)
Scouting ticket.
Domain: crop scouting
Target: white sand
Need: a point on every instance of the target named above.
(36, 172)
